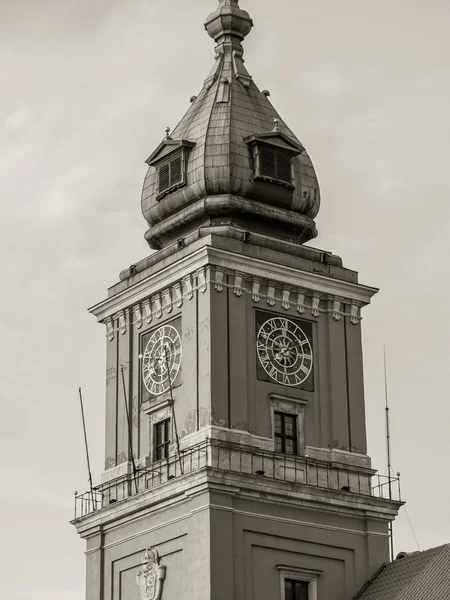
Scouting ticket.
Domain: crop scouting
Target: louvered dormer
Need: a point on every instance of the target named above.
(170, 160)
(272, 155)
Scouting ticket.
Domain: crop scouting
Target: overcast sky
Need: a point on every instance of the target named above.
(87, 89)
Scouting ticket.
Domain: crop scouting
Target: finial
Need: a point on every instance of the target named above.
(228, 20)
(167, 130)
(276, 123)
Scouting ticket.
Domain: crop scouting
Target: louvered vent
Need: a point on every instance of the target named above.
(170, 173)
(175, 170)
(284, 167)
(275, 165)
(268, 163)
(164, 177)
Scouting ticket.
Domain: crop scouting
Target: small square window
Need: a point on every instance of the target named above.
(161, 439)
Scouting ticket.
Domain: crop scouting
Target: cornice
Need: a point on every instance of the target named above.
(248, 267)
(151, 284)
(208, 268)
(293, 277)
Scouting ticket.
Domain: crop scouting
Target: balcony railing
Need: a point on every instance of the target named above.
(226, 456)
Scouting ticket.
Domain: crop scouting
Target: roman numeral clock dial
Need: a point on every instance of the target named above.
(161, 359)
(284, 351)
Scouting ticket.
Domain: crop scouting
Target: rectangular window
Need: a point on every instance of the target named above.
(285, 430)
(296, 590)
(161, 439)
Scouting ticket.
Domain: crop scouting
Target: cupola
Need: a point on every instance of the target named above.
(231, 166)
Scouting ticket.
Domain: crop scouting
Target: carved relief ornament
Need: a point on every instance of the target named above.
(151, 579)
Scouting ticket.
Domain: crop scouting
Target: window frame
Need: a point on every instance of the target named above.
(308, 576)
(293, 407)
(294, 582)
(283, 435)
(165, 445)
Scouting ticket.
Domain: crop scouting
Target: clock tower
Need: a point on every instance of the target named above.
(236, 463)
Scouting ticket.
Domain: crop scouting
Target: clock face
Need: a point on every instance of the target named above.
(161, 359)
(284, 350)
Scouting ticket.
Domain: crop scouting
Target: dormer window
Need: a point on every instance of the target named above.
(272, 157)
(170, 162)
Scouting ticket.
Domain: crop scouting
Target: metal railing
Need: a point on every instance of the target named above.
(217, 455)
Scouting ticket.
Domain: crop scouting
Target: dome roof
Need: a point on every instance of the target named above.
(231, 160)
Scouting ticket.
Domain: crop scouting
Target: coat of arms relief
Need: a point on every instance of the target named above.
(151, 579)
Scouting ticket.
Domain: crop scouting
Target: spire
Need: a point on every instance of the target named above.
(228, 22)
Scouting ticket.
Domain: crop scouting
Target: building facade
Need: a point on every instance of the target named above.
(236, 461)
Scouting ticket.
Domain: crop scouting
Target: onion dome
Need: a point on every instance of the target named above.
(231, 164)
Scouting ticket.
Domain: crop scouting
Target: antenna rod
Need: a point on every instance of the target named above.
(87, 452)
(388, 447)
(130, 443)
(173, 411)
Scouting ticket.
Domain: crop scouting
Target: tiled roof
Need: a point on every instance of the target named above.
(418, 576)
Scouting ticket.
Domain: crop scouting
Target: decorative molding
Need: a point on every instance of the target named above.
(271, 295)
(240, 72)
(301, 303)
(109, 329)
(167, 301)
(284, 295)
(223, 93)
(238, 284)
(285, 404)
(151, 579)
(122, 322)
(337, 310)
(138, 316)
(256, 286)
(177, 295)
(214, 74)
(201, 278)
(285, 303)
(158, 408)
(315, 306)
(158, 306)
(218, 285)
(354, 315)
(281, 398)
(188, 286)
(255, 268)
(295, 407)
(147, 308)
